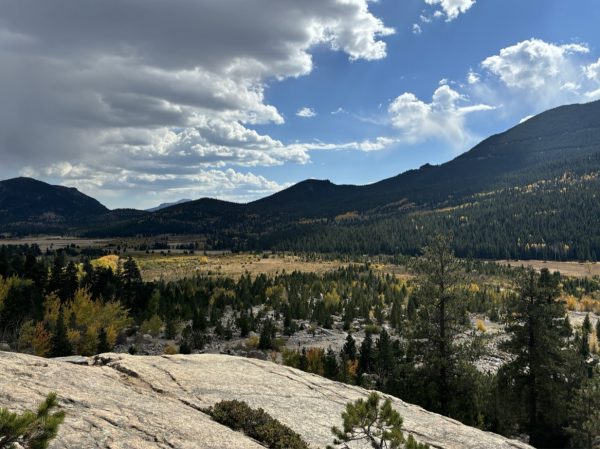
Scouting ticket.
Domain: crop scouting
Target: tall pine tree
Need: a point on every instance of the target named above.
(537, 378)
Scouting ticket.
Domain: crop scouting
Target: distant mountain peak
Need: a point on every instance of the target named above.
(165, 205)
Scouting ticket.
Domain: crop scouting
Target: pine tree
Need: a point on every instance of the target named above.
(538, 375)
(440, 320)
(70, 282)
(367, 357)
(32, 430)
(61, 346)
(103, 345)
(584, 414)
(331, 364)
(384, 357)
(586, 330)
(349, 349)
(56, 273)
(379, 425)
(266, 335)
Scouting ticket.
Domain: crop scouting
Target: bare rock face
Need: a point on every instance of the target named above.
(128, 402)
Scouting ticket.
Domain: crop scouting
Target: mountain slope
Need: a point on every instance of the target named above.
(29, 203)
(124, 401)
(544, 145)
(165, 205)
(526, 192)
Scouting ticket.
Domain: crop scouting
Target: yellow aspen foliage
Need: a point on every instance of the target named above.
(85, 318)
(571, 302)
(34, 338)
(332, 298)
(316, 361)
(41, 340)
(473, 288)
(51, 309)
(480, 326)
(352, 368)
(4, 289)
(74, 337)
(111, 261)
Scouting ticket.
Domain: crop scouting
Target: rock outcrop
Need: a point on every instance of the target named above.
(120, 401)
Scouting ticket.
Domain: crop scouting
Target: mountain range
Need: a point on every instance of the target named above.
(529, 191)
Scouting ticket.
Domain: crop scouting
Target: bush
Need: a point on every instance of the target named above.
(152, 326)
(257, 424)
(372, 329)
(170, 350)
(32, 430)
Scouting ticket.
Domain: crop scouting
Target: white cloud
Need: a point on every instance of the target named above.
(306, 112)
(416, 28)
(473, 77)
(443, 118)
(339, 110)
(533, 64)
(540, 74)
(524, 119)
(380, 143)
(592, 71)
(161, 90)
(451, 8)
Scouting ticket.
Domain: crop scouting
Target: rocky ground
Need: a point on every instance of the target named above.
(118, 401)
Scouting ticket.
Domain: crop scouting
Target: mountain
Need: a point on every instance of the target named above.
(26, 203)
(527, 192)
(118, 400)
(165, 205)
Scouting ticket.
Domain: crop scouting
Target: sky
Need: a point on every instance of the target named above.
(139, 102)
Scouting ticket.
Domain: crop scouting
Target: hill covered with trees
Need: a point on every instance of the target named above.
(527, 192)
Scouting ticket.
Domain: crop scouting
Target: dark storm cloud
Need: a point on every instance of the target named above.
(91, 88)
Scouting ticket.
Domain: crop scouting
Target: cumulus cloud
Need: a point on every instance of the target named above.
(443, 118)
(451, 8)
(541, 74)
(533, 64)
(416, 28)
(149, 88)
(306, 112)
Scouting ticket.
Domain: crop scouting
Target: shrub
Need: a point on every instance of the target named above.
(152, 326)
(257, 424)
(32, 430)
(372, 329)
(481, 326)
(170, 350)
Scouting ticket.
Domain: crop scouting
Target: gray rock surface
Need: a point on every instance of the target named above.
(120, 401)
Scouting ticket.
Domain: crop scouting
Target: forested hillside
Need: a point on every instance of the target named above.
(529, 192)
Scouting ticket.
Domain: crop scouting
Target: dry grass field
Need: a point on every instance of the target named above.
(574, 269)
(56, 242)
(169, 267)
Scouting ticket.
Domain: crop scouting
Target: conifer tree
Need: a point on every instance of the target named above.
(366, 358)
(584, 414)
(103, 345)
(538, 376)
(61, 346)
(440, 319)
(378, 425)
(349, 349)
(31, 430)
(331, 364)
(384, 357)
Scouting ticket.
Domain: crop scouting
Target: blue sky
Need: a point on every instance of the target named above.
(415, 63)
(137, 103)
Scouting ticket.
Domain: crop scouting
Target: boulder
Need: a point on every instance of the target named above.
(121, 401)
